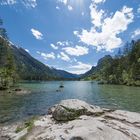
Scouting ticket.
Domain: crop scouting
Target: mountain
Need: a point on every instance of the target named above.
(16, 63)
(107, 59)
(29, 68)
(124, 68)
(65, 74)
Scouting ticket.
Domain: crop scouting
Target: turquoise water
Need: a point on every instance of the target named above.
(43, 95)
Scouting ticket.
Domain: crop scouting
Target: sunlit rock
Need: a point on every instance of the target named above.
(77, 120)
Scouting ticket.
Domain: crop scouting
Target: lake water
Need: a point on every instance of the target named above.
(43, 95)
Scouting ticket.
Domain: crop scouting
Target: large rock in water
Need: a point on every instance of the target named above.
(77, 120)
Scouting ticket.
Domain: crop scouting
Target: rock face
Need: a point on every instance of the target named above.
(77, 120)
(71, 109)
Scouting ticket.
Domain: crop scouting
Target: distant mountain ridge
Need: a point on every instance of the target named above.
(37, 68)
(65, 74)
(29, 68)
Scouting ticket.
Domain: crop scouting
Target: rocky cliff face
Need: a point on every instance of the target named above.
(101, 63)
(77, 120)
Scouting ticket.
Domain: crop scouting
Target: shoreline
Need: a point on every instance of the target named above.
(71, 119)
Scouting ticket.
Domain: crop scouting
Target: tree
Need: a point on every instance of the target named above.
(7, 67)
(119, 54)
(3, 31)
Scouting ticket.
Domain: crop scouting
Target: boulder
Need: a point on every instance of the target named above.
(77, 120)
(71, 109)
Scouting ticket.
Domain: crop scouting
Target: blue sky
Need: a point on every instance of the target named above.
(71, 34)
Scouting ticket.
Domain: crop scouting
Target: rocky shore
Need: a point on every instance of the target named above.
(76, 120)
(15, 91)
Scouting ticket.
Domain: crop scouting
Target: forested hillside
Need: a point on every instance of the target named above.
(17, 64)
(124, 68)
(7, 66)
(28, 68)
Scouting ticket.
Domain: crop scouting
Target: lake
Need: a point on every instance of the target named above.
(43, 95)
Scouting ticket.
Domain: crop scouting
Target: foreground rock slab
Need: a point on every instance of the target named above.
(76, 120)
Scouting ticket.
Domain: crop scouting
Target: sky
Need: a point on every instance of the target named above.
(71, 34)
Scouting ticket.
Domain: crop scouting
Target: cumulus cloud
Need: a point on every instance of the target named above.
(8, 2)
(63, 43)
(26, 3)
(60, 44)
(54, 46)
(63, 1)
(136, 33)
(29, 3)
(96, 15)
(105, 30)
(57, 7)
(37, 34)
(76, 51)
(63, 56)
(98, 1)
(75, 32)
(46, 56)
(70, 8)
(80, 68)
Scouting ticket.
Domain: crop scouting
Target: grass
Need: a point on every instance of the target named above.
(23, 138)
(29, 124)
(19, 129)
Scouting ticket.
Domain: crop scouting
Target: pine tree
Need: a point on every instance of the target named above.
(3, 31)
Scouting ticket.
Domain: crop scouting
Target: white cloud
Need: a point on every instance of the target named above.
(70, 8)
(8, 2)
(75, 32)
(57, 7)
(27, 50)
(54, 46)
(80, 68)
(98, 1)
(63, 1)
(60, 43)
(29, 3)
(96, 15)
(47, 56)
(104, 32)
(37, 34)
(136, 33)
(26, 3)
(63, 43)
(63, 56)
(77, 51)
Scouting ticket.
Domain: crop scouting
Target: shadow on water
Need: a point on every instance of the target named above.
(45, 94)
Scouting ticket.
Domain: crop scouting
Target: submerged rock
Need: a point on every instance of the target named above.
(77, 120)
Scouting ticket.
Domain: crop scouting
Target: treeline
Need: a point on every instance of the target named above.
(7, 67)
(17, 65)
(124, 68)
